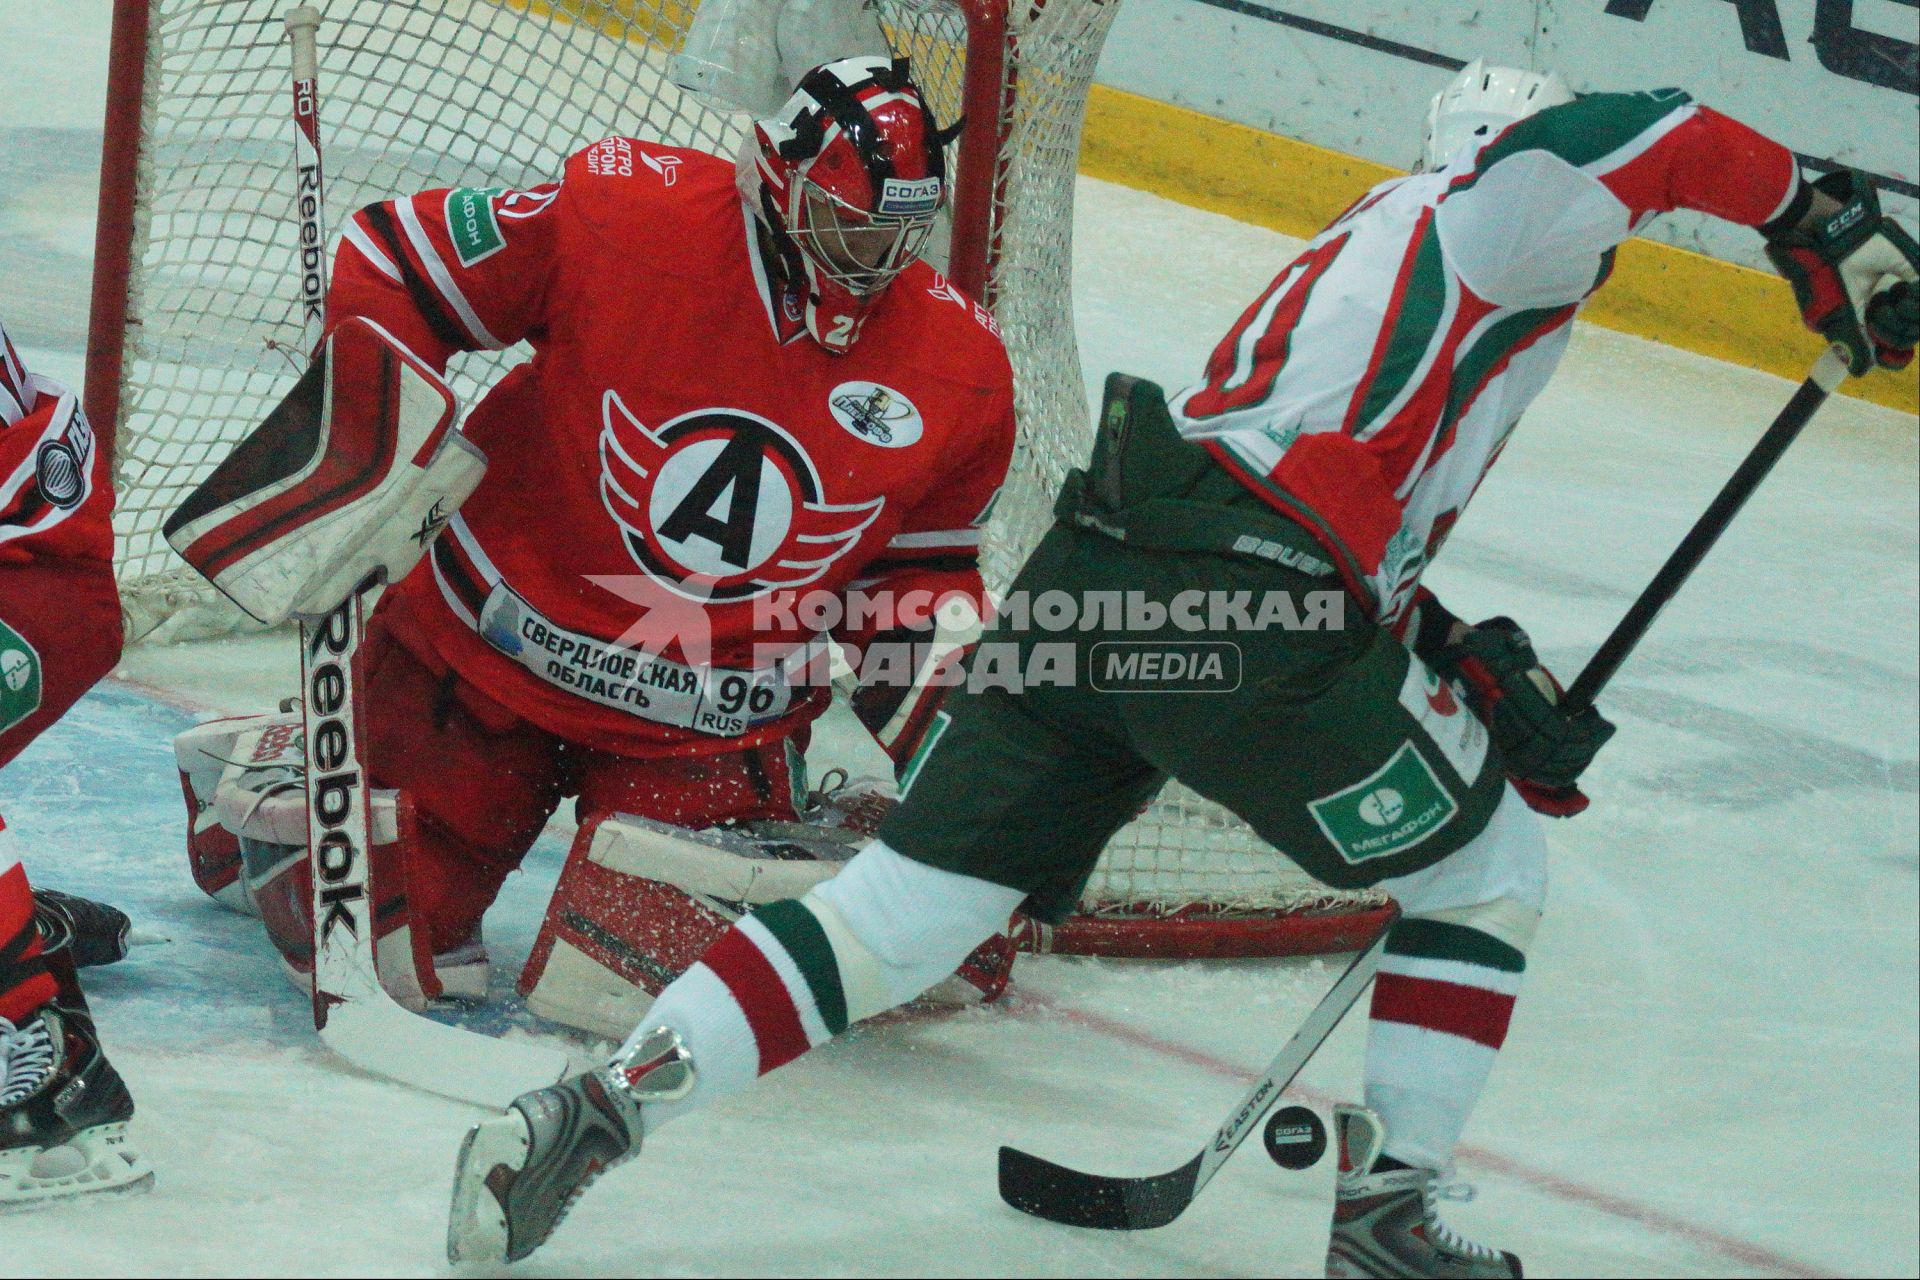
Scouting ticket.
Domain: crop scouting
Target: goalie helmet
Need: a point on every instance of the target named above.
(1480, 102)
(847, 179)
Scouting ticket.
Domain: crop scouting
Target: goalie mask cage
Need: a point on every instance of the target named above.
(196, 331)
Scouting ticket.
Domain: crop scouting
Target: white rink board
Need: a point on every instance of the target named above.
(1836, 82)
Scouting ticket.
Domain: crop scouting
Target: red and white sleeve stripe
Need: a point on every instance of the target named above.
(17, 395)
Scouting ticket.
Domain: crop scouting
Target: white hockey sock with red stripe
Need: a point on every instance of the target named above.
(794, 974)
(1447, 983)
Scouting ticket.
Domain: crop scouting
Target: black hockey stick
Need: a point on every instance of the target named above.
(1059, 1194)
(1828, 372)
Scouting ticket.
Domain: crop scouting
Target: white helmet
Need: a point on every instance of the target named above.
(1481, 101)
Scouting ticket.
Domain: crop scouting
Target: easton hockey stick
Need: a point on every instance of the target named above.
(352, 1011)
(1059, 1194)
(1828, 372)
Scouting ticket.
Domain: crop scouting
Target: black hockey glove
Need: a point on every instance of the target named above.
(1543, 749)
(1844, 264)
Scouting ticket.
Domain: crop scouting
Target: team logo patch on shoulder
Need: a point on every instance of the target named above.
(879, 415)
(19, 678)
(471, 225)
(721, 504)
(60, 474)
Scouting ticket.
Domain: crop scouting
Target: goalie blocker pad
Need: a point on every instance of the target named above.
(640, 901)
(349, 478)
(243, 780)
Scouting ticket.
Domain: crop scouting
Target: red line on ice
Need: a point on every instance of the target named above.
(1552, 1184)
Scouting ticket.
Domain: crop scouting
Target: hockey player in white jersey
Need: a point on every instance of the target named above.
(1337, 432)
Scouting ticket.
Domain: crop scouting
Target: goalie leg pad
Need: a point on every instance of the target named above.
(640, 902)
(206, 754)
(247, 847)
(255, 806)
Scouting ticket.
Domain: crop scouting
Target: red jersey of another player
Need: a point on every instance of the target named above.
(678, 459)
(59, 608)
(55, 497)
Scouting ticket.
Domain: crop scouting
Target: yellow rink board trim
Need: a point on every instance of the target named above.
(1671, 295)
(641, 21)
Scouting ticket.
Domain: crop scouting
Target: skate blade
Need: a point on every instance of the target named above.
(477, 1221)
(95, 1162)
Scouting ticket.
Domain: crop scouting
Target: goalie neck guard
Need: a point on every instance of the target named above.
(847, 180)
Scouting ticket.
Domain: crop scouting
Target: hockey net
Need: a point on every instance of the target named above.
(196, 320)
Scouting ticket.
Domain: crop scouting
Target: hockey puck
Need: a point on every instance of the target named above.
(1295, 1137)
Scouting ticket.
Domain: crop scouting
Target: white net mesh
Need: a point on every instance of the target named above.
(424, 93)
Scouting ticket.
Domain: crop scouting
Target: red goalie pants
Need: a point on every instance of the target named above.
(485, 781)
(59, 634)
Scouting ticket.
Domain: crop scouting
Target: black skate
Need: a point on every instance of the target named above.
(519, 1174)
(1386, 1223)
(90, 933)
(63, 1110)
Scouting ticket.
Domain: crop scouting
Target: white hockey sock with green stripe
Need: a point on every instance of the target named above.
(794, 974)
(1448, 980)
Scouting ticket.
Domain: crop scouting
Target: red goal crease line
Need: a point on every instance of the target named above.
(1547, 1183)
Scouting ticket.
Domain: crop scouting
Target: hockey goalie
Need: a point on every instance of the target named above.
(755, 426)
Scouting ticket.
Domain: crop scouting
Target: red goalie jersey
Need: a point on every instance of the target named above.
(679, 469)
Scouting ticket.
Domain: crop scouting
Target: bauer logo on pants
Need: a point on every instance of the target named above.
(19, 678)
(1394, 809)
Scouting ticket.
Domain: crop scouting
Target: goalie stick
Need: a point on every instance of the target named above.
(1059, 1194)
(352, 1011)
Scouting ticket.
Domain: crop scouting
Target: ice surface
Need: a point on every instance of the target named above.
(1713, 1069)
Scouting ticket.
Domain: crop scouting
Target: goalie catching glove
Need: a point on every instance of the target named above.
(348, 479)
(1542, 746)
(1852, 270)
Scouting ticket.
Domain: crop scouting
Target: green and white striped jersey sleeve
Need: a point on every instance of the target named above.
(1533, 222)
